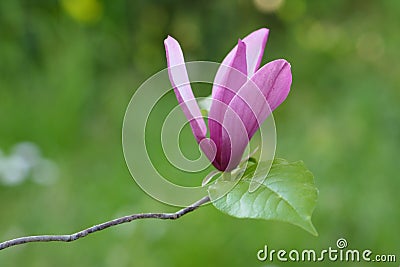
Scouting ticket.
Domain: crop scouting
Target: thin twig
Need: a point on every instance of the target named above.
(102, 226)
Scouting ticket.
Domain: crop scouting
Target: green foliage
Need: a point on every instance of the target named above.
(287, 194)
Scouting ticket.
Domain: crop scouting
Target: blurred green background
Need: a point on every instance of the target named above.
(69, 68)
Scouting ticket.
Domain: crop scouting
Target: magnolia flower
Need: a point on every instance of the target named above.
(243, 95)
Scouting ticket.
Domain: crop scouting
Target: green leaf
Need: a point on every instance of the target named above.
(287, 194)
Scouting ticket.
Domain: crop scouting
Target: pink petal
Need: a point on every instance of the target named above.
(274, 79)
(231, 78)
(253, 103)
(231, 75)
(255, 43)
(183, 91)
(244, 58)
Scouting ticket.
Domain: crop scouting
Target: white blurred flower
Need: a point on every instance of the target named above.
(25, 161)
(45, 172)
(29, 151)
(14, 170)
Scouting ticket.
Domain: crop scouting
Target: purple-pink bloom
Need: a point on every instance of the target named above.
(243, 96)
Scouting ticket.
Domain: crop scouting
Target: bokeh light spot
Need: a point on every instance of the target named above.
(268, 6)
(84, 11)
